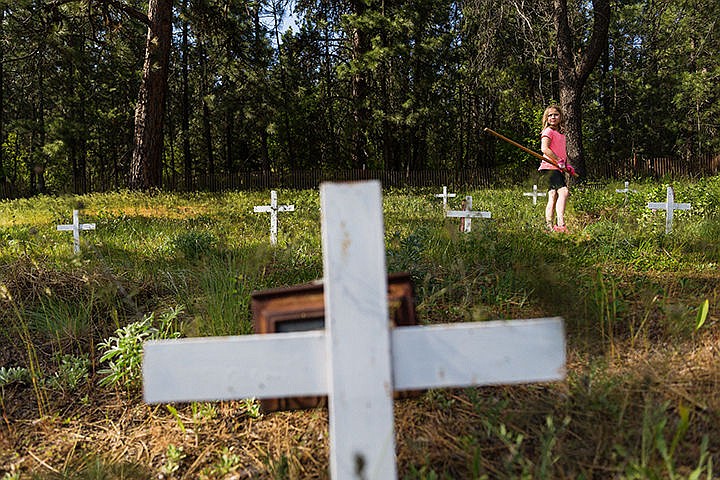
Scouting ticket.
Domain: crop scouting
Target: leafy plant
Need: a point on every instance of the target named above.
(71, 374)
(13, 375)
(123, 352)
(173, 459)
(252, 407)
(203, 411)
(228, 463)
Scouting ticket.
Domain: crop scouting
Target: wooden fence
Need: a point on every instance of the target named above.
(481, 177)
(311, 179)
(656, 167)
(634, 168)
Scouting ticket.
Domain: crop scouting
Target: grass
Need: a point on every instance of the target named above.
(641, 309)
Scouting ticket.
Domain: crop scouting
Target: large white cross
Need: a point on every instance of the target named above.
(467, 214)
(535, 194)
(359, 359)
(445, 195)
(76, 227)
(670, 206)
(274, 208)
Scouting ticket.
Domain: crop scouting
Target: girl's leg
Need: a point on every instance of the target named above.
(562, 196)
(552, 195)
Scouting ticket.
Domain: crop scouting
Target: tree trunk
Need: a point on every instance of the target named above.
(361, 112)
(573, 71)
(146, 166)
(185, 122)
(3, 175)
(229, 139)
(206, 125)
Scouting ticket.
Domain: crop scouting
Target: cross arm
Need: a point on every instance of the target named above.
(294, 364)
(467, 214)
(226, 368)
(480, 353)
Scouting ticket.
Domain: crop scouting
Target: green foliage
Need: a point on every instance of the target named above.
(194, 245)
(228, 462)
(13, 375)
(174, 457)
(433, 74)
(123, 352)
(658, 459)
(72, 373)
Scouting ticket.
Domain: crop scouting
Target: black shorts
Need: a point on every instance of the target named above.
(554, 179)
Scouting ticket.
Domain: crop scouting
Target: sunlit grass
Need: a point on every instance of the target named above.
(625, 289)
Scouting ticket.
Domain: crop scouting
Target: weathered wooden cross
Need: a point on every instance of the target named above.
(445, 195)
(359, 359)
(467, 214)
(535, 194)
(274, 208)
(670, 206)
(76, 227)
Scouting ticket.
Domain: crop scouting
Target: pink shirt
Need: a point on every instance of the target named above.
(557, 145)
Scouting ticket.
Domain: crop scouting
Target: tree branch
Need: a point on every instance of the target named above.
(598, 39)
(128, 10)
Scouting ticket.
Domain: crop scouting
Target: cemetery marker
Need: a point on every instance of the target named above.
(535, 194)
(625, 190)
(445, 195)
(76, 227)
(273, 208)
(359, 359)
(670, 206)
(467, 214)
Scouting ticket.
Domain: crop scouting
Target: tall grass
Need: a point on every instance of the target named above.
(624, 287)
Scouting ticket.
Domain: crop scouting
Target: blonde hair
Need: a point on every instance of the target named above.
(561, 124)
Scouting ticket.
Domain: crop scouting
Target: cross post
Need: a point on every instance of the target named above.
(273, 208)
(467, 214)
(359, 359)
(535, 194)
(76, 227)
(625, 190)
(670, 206)
(445, 195)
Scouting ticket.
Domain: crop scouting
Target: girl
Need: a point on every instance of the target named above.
(552, 142)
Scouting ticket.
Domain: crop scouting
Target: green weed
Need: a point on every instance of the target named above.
(123, 352)
(174, 457)
(13, 375)
(71, 374)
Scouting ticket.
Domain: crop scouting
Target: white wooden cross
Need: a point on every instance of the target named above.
(535, 194)
(467, 214)
(274, 208)
(359, 359)
(76, 227)
(626, 189)
(445, 195)
(670, 206)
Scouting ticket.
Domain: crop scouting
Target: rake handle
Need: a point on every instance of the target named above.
(526, 150)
